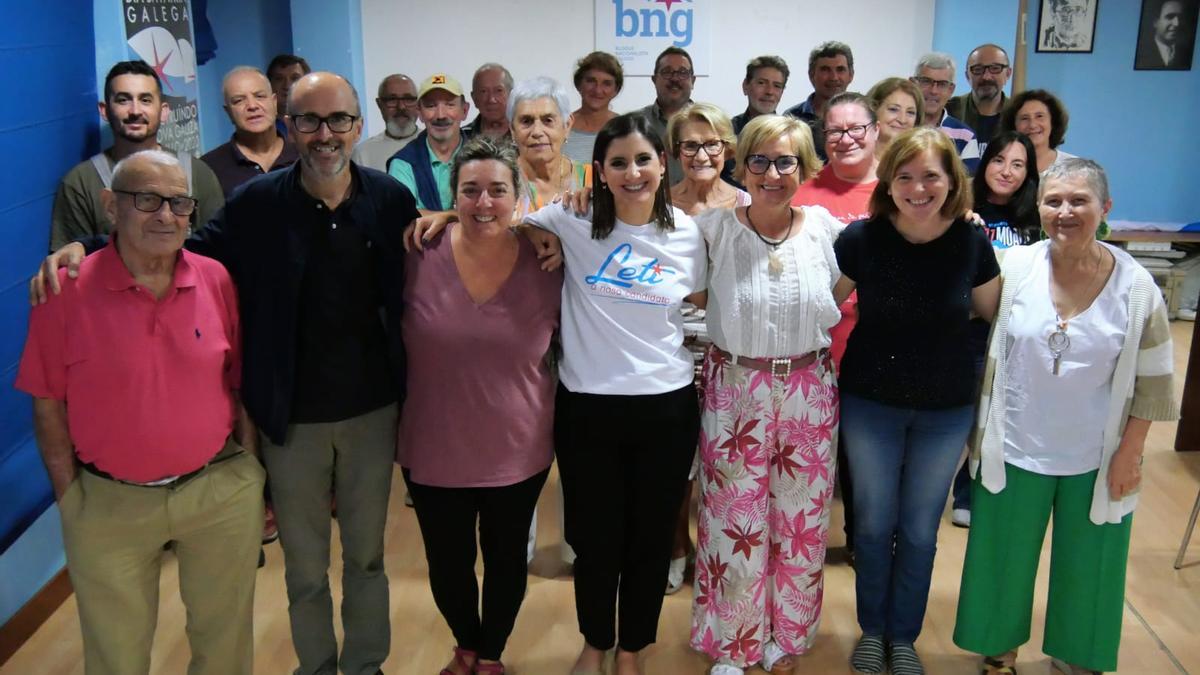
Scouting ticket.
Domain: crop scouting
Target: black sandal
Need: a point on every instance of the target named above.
(994, 666)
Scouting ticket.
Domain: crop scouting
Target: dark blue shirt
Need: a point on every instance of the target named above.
(303, 325)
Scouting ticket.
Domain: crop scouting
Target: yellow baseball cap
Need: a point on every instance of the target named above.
(440, 81)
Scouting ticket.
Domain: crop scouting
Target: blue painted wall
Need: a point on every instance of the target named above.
(248, 34)
(328, 33)
(46, 55)
(1132, 122)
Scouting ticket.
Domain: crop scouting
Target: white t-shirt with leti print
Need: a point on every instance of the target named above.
(622, 332)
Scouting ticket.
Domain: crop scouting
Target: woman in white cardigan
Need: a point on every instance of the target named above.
(1079, 364)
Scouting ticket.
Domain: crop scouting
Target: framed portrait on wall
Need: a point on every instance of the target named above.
(1166, 35)
(1066, 26)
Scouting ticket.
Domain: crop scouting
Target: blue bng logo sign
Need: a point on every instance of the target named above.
(655, 18)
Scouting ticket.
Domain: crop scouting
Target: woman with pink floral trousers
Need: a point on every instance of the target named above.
(770, 410)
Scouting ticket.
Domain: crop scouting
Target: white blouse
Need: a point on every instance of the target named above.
(1055, 423)
(752, 312)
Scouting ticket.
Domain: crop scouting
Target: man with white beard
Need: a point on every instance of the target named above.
(397, 103)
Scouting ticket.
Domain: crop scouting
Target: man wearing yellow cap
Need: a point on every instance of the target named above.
(423, 166)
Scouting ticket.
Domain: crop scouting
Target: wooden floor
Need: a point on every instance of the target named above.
(1162, 618)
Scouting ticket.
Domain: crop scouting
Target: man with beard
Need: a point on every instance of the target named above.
(423, 166)
(315, 252)
(134, 108)
(257, 146)
(987, 71)
(1168, 46)
(766, 78)
(397, 103)
(673, 80)
(489, 91)
(934, 76)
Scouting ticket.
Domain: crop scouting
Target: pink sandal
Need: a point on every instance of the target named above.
(460, 659)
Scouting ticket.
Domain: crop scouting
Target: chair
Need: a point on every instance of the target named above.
(1187, 534)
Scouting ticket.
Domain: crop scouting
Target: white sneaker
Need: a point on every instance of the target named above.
(961, 517)
(408, 499)
(675, 574)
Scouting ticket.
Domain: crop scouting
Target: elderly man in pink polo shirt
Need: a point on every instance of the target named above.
(134, 370)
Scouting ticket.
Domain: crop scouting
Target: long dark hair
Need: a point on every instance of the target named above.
(1022, 205)
(604, 209)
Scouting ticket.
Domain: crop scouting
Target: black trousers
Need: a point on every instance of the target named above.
(447, 517)
(624, 463)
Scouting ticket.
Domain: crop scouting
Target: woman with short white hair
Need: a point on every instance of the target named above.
(1079, 364)
(540, 115)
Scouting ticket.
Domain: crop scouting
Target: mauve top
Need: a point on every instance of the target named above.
(480, 404)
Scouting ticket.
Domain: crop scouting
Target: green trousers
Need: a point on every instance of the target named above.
(1087, 570)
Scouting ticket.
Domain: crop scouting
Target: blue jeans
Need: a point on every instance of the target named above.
(903, 461)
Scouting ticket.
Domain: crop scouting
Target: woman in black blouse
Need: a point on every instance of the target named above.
(907, 380)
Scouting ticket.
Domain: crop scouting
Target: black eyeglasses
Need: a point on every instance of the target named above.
(993, 68)
(681, 74)
(398, 101)
(857, 132)
(338, 123)
(784, 164)
(931, 83)
(151, 202)
(711, 148)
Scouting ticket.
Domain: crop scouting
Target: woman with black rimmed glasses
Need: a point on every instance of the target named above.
(770, 409)
(701, 139)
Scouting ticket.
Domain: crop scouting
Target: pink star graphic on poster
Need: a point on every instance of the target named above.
(668, 3)
(160, 66)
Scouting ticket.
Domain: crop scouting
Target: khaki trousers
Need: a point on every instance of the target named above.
(114, 535)
(353, 459)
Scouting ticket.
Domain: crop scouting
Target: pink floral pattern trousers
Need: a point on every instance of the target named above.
(766, 483)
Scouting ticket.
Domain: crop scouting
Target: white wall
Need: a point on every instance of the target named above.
(537, 37)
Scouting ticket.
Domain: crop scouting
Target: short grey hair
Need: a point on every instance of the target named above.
(120, 179)
(506, 77)
(935, 61)
(540, 87)
(238, 70)
(1077, 167)
(394, 76)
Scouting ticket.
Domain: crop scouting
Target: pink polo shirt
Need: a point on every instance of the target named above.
(148, 383)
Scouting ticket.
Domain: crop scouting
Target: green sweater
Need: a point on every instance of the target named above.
(79, 213)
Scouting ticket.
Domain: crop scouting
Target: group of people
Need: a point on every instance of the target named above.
(851, 270)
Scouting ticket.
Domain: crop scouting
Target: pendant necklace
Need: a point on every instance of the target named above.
(774, 262)
(1059, 342)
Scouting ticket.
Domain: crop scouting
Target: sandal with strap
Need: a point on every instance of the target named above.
(996, 666)
(460, 659)
(491, 668)
(773, 655)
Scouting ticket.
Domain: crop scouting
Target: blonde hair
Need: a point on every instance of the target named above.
(904, 149)
(886, 87)
(704, 113)
(766, 128)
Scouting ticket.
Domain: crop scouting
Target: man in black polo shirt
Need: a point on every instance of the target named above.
(315, 251)
(256, 146)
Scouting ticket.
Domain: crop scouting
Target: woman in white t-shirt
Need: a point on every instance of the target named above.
(1079, 364)
(626, 413)
(770, 408)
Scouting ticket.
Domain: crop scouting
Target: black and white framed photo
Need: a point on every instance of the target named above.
(1066, 26)
(1166, 35)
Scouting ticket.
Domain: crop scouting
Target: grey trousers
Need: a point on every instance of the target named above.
(352, 459)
